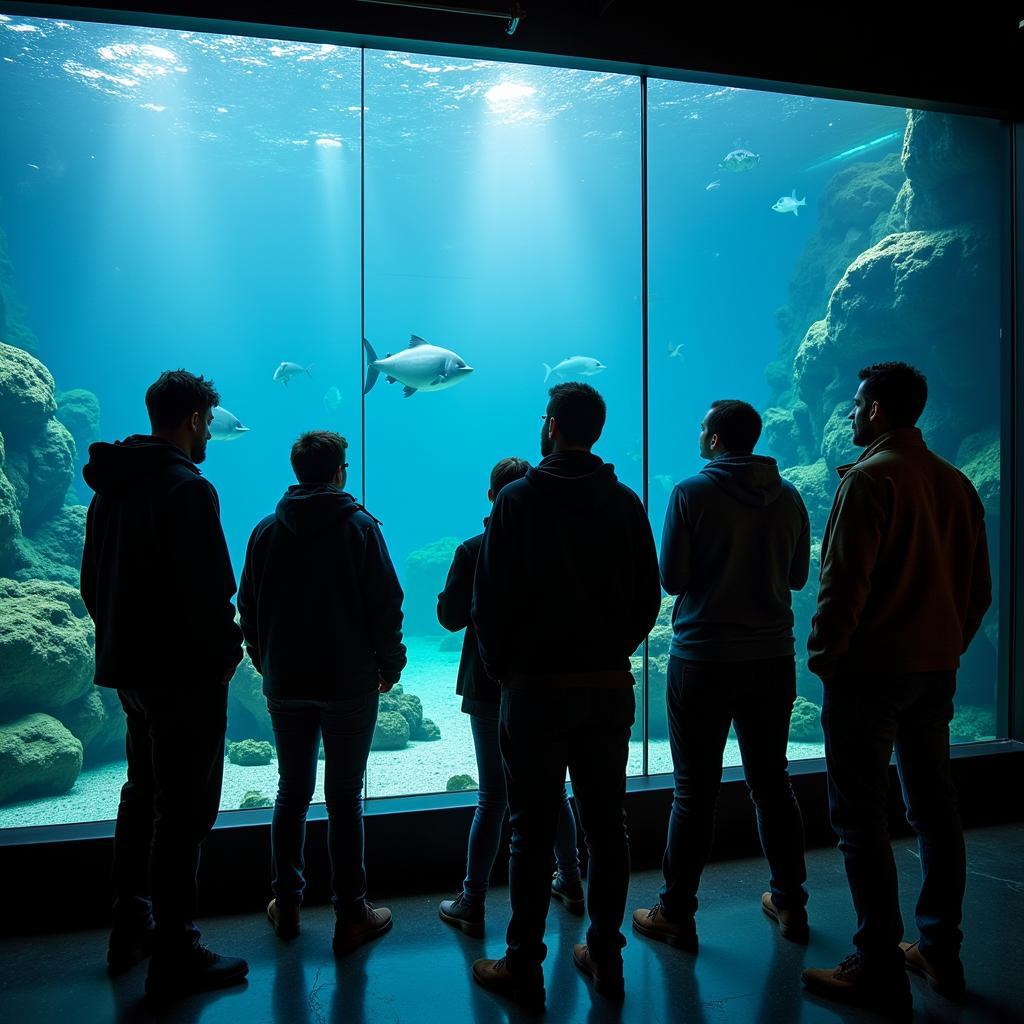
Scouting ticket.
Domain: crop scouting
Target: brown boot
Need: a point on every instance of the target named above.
(655, 925)
(349, 934)
(607, 977)
(792, 922)
(525, 986)
(887, 994)
(284, 917)
(946, 978)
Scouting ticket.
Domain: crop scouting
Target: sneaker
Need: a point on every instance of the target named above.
(886, 993)
(465, 914)
(350, 934)
(173, 976)
(655, 925)
(607, 977)
(129, 945)
(570, 894)
(525, 986)
(946, 977)
(284, 917)
(792, 922)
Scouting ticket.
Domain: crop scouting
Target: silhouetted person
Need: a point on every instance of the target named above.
(157, 580)
(321, 610)
(904, 584)
(566, 590)
(480, 700)
(736, 542)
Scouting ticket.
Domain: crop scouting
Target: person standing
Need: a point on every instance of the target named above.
(566, 590)
(905, 583)
(156, 578)
(736, 542)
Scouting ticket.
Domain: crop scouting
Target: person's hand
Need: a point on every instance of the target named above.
(382, 684)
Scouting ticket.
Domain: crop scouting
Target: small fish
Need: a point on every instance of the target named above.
(332, 398)
(226, 426)
(712, 186)
(574, 366)
(676, 352)
(286, 371)
(35, 167)
(739, 161)
(789, 204)
(420, 367)
(666, 481)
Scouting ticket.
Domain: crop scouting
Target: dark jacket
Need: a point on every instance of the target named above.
(905, 577)
(156, 574)
(480, 693)
(567, 581)
(320, 604)
(736, 541)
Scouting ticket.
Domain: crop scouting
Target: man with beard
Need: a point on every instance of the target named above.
(157, 581)
(566, 590)
(904, 584)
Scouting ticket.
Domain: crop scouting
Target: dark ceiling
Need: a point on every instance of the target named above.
(969, 56)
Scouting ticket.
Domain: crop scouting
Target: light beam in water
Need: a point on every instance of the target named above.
(855, 150)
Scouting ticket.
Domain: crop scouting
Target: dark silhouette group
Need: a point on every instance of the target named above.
(555, 596)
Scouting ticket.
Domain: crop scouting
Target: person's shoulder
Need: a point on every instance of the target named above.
(472, 545)
(265, 524)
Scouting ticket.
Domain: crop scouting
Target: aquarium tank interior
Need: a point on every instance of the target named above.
(251, 209)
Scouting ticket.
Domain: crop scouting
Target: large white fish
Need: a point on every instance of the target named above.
(226, 426)
(420, 367)
(574, 366)
(286, 371)
(789, 204)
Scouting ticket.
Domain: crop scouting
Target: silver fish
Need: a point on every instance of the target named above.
(574, 366)
(286, 371)
(420, 367)
(226, 426)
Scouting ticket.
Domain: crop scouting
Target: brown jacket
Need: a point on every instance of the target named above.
(904, 563)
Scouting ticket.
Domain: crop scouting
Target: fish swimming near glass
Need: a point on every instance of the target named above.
(574, 366)
(420, 367)
(286, 371)
(226, 426)
(789, 204)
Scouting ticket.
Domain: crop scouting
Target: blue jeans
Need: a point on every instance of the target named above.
(347, 729)
(492, 802)
(866, 716)
(543, 731)
(704, 699)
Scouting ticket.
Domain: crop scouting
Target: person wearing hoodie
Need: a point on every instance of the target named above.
(905, 584)
(321, 610)
(566, 590)
(480, 700)
(157, 580)
(736, 542)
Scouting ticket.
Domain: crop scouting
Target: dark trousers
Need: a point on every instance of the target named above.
(704, 699)
(347, 730)
(492, 802)
(543, 732)
(865, 717)
(175, 751)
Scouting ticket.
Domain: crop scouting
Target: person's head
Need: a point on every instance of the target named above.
(180, 407)
(318, 457)
(890, 396)
(505, 472)
(574, 418)
(730, 427)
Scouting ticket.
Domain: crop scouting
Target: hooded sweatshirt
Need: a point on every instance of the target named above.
(156, 574)
(736, 541)
(320, 603)
(566, 584)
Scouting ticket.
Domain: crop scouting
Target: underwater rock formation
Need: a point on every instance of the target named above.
(460, 783)
(250, 753)
(805, 725)
(425, 573)
(971, 724)
(42, 472)
(55, 551)
(38, 757)
(12, 326)
(247, 706)
(391, 731)
(427, 732)
(79, 411)
(97, 720)
(253, 798)
(26, 395)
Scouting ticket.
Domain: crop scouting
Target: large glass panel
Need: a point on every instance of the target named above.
(169, 199)
(502, 223)
(793, 241)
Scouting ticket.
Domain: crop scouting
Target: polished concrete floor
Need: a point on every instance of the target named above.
(745, 971)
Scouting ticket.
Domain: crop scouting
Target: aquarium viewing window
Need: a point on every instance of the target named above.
(228, 204)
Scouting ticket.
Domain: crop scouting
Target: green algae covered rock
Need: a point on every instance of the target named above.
(97, 720)
(428, 731)
(460, 783)
(46, 646)
(26, 394)
(805, 725)
(391, 732)
(247, 706)
(79, 411)
(250, 753)
(54, 551)
(979, 459)
(38, 757)
(972, 723)
(837, 445)
(253, 799)
(817, 486)
(42, 472)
